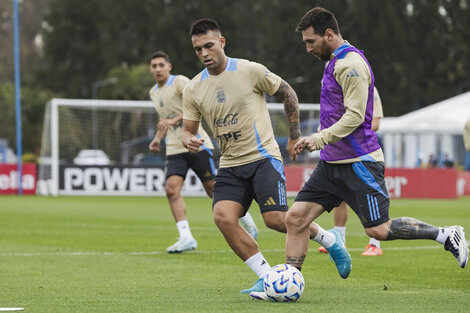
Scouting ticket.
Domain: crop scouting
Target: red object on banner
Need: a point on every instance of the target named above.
(433, 183)
(463, 184)
(296, 176)
(9, 179)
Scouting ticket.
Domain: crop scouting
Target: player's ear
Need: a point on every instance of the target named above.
(222, 41)
(170, 66)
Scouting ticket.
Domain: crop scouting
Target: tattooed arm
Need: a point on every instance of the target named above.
(287, 95)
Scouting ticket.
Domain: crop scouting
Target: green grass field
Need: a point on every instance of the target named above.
(107, 254)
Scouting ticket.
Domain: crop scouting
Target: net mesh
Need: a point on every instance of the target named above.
(106, 132)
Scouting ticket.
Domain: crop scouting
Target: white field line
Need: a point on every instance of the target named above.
(92, 253)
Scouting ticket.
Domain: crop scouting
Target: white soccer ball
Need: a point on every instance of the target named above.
(284, 283)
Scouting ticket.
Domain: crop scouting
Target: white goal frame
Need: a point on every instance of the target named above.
(55, 103)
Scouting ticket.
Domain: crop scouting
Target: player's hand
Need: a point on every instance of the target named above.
(194, 143)
(155, 145)
(290, 148)
(305, 143)
(163, 124)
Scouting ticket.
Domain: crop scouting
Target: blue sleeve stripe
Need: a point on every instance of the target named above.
(260, 147)
(231, 64)
(204, 74)
(170, 80)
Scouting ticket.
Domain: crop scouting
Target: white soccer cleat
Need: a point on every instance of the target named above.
(183, 244)
(259, 295)
(457, 244)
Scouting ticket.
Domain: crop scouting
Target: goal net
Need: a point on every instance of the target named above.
(100, 147)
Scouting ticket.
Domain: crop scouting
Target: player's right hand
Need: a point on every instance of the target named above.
(154, 146)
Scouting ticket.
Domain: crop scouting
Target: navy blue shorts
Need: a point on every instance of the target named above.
(360, 184)
(263, 180)
(202, 163)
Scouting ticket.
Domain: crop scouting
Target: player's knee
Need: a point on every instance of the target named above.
(223, 220)
(172, 190)
(276, 222)
(377, 233)
(295, 220)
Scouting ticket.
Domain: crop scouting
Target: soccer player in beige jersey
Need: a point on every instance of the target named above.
(229, 93)
(166, 95)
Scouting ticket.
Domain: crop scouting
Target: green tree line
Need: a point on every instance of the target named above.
(418, 49)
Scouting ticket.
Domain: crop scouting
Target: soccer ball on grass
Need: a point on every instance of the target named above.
(284, 283)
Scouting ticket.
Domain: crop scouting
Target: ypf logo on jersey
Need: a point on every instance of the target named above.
(221, 95)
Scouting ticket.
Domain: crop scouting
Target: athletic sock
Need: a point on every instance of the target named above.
(374, 242)
(247, 218)
(325, 238)
(258, 264)
(342, 231)
(443, 234)
(183, 229)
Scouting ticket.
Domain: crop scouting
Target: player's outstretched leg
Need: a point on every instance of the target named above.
(340, 255)
(452, 237)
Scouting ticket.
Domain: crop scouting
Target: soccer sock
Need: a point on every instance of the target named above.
(374, 242)
(325, 238)
(247, 219)
(258, 264)
(342, 231)
(442, 235)
(183, 229)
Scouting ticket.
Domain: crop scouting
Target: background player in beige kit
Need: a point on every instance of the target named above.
(166, 95)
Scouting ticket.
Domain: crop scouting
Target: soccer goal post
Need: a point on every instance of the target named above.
(100, 147)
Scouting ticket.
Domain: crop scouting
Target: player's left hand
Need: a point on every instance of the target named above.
(194, 143)
(163, 124)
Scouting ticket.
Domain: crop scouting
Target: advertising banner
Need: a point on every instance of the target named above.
(401, 183)
(9, 179)
(120, 180)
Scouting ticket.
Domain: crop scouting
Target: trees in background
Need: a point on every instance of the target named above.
(418, 49)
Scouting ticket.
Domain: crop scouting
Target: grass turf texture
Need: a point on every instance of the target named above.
(107, 254)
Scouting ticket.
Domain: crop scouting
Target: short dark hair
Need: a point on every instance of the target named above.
(320, 19)
(160, 54)
(202, 26)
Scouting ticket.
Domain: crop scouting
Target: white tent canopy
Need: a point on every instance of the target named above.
(410, 140)
(445, 117)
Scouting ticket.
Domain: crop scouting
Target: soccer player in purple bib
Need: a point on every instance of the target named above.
(351, 166)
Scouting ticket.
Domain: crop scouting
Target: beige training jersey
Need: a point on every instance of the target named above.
(466, 135)
(378, 109)
(233, 104)
(355, 93)
(168, 104)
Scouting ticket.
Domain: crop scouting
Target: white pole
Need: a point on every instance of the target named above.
(54, 148)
